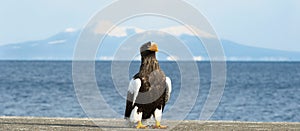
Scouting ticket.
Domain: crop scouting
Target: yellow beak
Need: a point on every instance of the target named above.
(153, 47)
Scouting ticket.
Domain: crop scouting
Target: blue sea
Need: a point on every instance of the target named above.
(254, 91)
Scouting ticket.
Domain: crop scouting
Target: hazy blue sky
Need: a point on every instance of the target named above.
(260, 23)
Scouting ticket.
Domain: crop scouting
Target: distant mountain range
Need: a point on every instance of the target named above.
(61, 47)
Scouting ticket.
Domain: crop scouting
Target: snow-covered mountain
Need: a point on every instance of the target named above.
(61, 47)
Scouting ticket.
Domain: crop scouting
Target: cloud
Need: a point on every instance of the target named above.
(184, 30)
(106, 58)
(198, 58)
(172, 58)
(56, 42)
(70, 30)
(137, 58)
(274, 59)
(257, 59)
(117, 31)
(237, 58)
(122, 31)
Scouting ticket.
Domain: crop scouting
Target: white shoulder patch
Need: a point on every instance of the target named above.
(134, 87)
(169, 88)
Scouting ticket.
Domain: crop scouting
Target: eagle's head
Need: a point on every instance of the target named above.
(148, 48)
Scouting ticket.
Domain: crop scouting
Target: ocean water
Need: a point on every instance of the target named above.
(254, 91)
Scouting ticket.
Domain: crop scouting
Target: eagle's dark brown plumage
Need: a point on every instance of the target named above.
(149, 89)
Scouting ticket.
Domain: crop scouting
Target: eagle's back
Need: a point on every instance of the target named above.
(152, 91)
(151, 95)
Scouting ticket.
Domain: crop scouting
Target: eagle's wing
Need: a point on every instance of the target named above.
(134, 87)
(133, 90)
(168, 89)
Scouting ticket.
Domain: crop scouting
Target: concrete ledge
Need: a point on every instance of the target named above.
(33, 123)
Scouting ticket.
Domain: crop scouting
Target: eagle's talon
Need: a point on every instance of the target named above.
(159, 127)
(141, 126)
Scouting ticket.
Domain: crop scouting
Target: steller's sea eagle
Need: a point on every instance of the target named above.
(149, 90)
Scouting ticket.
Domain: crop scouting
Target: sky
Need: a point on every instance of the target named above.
(260, 23)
